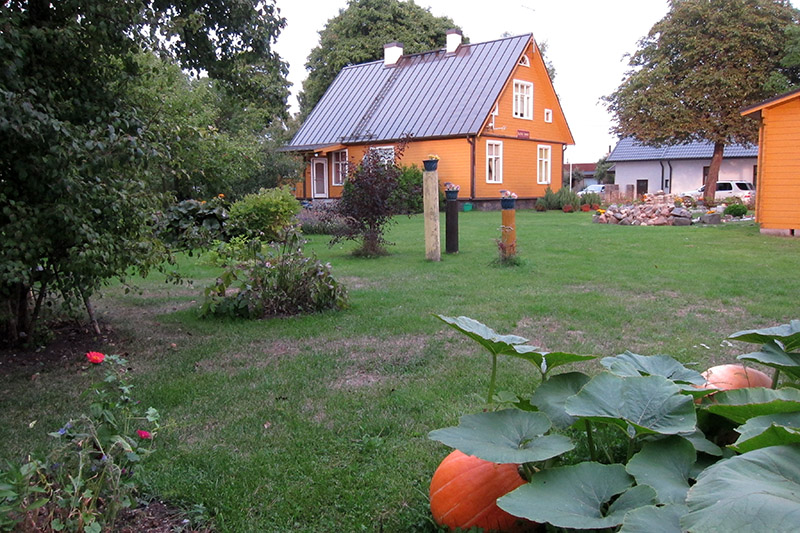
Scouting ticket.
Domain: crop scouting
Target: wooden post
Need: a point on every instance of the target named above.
(430, 202)
(451, 227)
(509, 232)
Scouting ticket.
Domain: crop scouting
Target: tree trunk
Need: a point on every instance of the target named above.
(713, 171)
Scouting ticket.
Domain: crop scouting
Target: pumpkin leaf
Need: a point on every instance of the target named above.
(631, 364)
(551, 397)
(740, 405)
(756, 491)
(652, 519)
(485, 336)
(578, 496)
(639, 405)
(787, 334)
(665, 465)
(506, 436)
(546, 361)
(768, 430)
(701, 443)
(772, 355)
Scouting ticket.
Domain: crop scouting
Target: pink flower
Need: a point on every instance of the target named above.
(95, 357)
(144, 434)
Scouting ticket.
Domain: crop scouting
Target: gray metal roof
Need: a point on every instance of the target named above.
(629, 149)
(432, 94)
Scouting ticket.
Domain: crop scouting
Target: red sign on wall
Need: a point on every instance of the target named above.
(523, 134)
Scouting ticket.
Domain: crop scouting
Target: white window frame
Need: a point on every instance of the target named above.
(339, 163)
(524, 61)
(544, 164)
(523, 100)
(494, 161)
(386, 153)
(548, 116)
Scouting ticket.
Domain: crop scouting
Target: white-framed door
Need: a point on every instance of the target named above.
(319, 177)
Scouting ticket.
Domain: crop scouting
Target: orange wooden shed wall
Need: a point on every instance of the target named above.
(778, 194)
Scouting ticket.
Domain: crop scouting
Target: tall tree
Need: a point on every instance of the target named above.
(357, 35)
(75, 203)
(697, 68)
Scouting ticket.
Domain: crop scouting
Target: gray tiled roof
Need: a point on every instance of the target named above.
(432, 94)
(629, 149)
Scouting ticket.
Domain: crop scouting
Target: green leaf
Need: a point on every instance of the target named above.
(577, 496)
(740, 405)
(664, 465)
(787, 334)
(638, 405)
(551, 397)
(631, 364)
(756, 491)
(768, 430)
(701, 443)
(507, 436)
(547, 361)
(771, 354)
(652, 519)
(484, 335)
(41, 502)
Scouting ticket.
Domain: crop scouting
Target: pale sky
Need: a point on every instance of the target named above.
(586, 42)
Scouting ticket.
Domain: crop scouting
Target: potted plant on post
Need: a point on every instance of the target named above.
(431, 163)
(508, 199)
(451, 190)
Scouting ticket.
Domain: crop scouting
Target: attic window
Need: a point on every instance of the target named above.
(548, 115)
(523, 99)
(524, 61)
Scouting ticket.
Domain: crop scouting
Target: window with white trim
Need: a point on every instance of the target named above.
(544, 166)
(385, 153)
(548, 115)
(339, 167)
(524, 61)
(523, 99)
(494, 162)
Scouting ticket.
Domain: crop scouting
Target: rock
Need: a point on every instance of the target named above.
(711, 218)
(659, 221)
(681, 221)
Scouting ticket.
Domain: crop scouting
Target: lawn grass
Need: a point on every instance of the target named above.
(319, 423)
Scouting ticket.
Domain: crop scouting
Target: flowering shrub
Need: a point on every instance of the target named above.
(91, 472)
(320, 220)
(508, 194)
(274, 280)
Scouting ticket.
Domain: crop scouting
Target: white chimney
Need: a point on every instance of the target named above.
(392, 52)
(453, 40)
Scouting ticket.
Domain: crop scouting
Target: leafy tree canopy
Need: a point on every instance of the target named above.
(75, 143)
(697, 68)
(357, 35)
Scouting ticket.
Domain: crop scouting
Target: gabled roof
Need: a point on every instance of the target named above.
(629, 149)
(432, 94)
(777, 100)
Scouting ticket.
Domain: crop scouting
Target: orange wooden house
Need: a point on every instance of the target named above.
(488, 110)
(778, 183)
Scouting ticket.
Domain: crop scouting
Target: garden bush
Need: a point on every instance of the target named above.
(565, 197)
(550, 199)
(321, 219)
(736, 210)
(591, 198)
(263, 215)
(192, 224)
(407, 197)
(273, 280)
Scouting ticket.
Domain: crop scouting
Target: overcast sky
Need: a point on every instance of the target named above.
(586, 42)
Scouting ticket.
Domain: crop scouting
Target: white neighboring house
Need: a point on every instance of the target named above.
(678, 168)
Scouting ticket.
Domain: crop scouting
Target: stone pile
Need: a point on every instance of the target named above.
(651, 214)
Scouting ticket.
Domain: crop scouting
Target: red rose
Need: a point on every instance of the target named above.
(95, 357)
(144, 434)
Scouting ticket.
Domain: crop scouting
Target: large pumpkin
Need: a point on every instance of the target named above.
(729, 377)
(464, 492)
